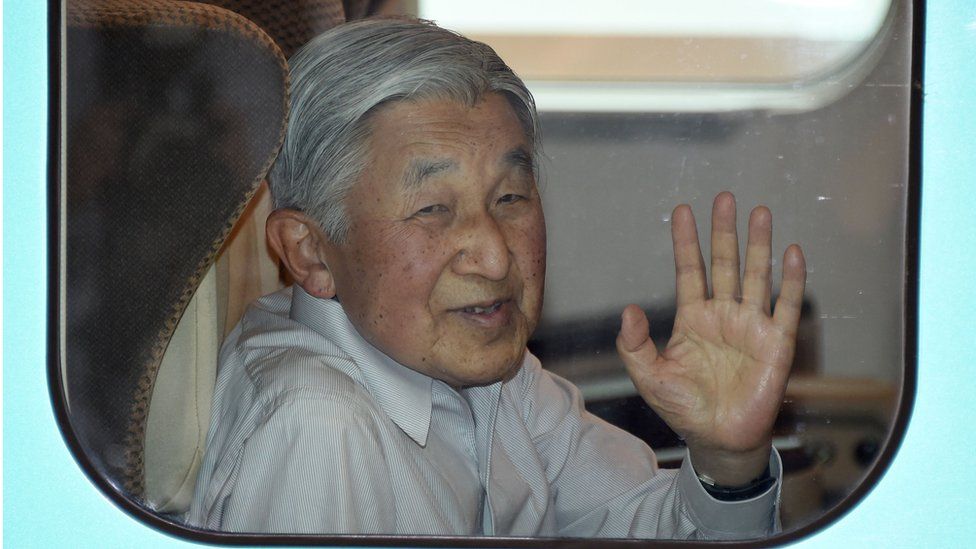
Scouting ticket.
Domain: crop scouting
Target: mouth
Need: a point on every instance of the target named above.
(482, 310)
(496, 313)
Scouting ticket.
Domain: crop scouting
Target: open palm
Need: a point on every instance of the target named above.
(720, 380)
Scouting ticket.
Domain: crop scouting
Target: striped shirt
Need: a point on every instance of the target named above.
(314, 430)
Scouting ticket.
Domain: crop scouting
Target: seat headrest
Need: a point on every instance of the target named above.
(174, 113)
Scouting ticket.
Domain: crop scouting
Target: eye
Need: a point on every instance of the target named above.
(510, 198)
(432, 209)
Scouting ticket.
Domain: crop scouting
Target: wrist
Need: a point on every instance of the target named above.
(730, 469)
(754, 488)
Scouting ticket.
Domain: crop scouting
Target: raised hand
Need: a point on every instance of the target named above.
(720, 380)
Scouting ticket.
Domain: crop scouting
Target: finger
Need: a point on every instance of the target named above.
(634, 344)
(725, 248)
(786, 316)
(757, 279)
(688, 264)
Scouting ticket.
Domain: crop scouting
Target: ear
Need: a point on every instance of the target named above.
(299, 243)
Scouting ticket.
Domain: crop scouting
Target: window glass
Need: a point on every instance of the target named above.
(800, 105)
(702, 55)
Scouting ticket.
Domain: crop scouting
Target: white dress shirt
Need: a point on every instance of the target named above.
(314, 430)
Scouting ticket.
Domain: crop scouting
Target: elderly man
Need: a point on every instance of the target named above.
(390, 389)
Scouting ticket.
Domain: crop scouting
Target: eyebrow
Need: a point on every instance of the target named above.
(421, 169)
(521, 158)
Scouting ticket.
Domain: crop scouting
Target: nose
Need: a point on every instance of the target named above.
(483, 249)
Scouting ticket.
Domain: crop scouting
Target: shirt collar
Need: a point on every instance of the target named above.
(403, 394)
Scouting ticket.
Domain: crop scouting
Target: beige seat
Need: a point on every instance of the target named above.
(179, 412)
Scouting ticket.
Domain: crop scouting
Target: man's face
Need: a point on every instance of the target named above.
(444, 266)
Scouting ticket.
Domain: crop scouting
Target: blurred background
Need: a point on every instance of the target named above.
(802, 106)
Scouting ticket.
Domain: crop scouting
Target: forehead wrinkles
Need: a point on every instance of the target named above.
(450, 132)
(443, 122)
(416, 141)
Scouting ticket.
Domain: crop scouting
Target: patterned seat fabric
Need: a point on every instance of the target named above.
(174, 113)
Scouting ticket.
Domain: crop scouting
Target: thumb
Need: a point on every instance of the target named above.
(634, 343)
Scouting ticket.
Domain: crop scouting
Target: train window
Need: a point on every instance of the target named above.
(704, 55)
(805, 107)
(769, 107)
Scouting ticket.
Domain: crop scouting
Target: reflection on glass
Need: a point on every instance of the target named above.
(658, 56)
(835, 178)
(804, 109)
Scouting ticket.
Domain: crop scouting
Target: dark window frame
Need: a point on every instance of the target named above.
(179, 530)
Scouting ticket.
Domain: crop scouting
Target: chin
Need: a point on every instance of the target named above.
(488, 373)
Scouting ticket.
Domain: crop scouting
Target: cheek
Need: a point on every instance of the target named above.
(531, 258)
(533, 251)
(416, 265)
(403, 269)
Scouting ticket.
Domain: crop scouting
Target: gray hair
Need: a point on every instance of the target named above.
(344, 74)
